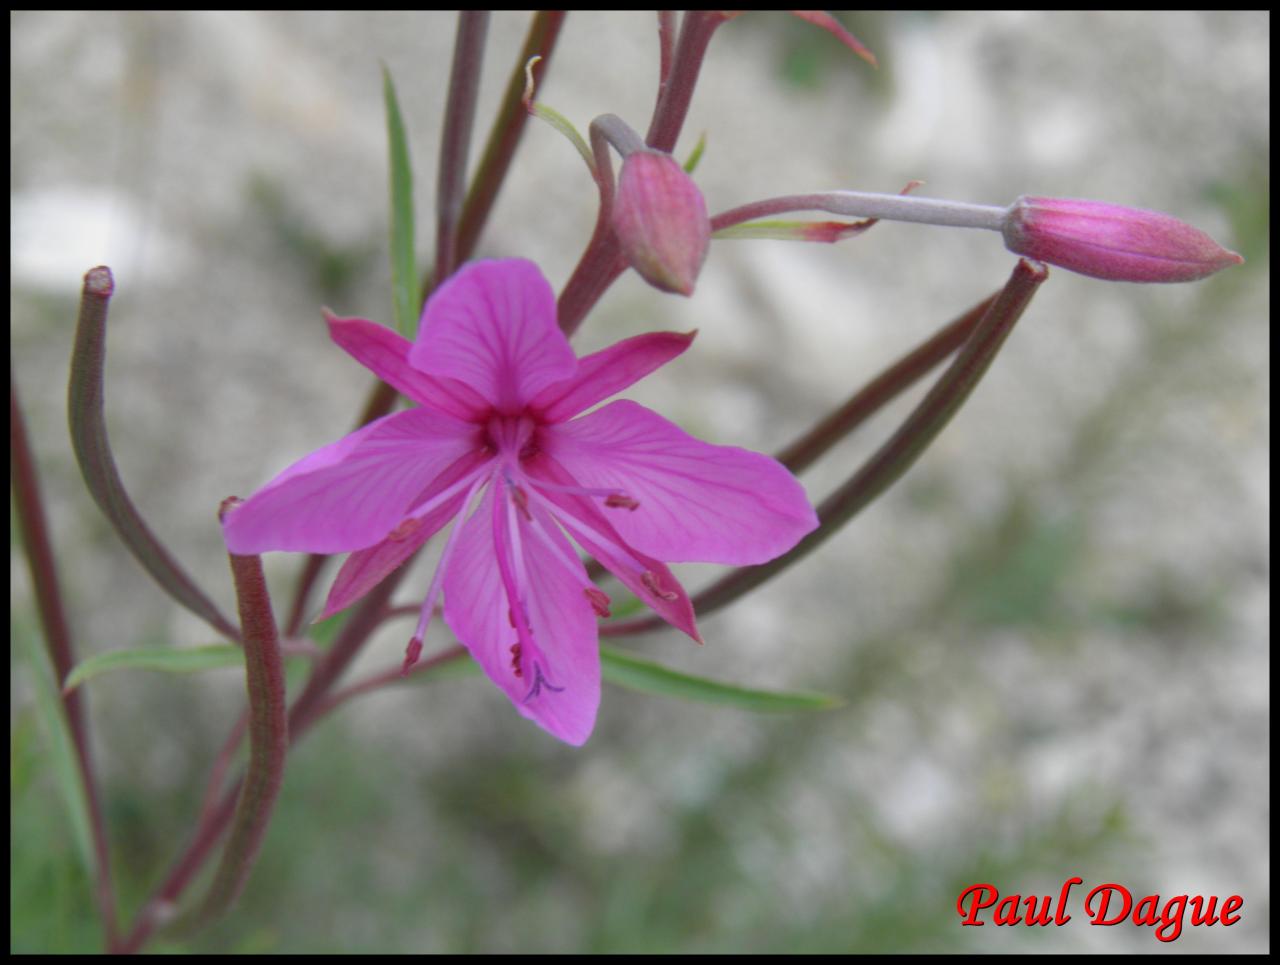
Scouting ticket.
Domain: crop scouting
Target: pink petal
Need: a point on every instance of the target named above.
(493, 326)
(385, 353)
(714, 504)
(353, 492)
(608, 372)
(366, 568)
(477, 609)
(649, 579)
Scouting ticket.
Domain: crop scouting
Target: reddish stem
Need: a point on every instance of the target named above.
(455, 140)
(85, 399)
(602, 260)
(893, 458)
(268, 738)
(696, 30)
(38, 546)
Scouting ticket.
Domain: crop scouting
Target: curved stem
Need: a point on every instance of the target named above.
(268, 739)
(602, 260)
(394, 675)
(93, 453)
(221, 765)
(897, 378)
(893, 458)
(300, 719)
(354, 634)
(600, 265)
(866, 204)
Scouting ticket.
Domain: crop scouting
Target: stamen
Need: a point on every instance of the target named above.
(572, 521)
(650, 581)
(429, 604)
(411, 522)
(599, 601)
(625, 565)
(613, 498)
(411, 654)
(520, 498)
(506, 545)
(405, 528)
(573, 566)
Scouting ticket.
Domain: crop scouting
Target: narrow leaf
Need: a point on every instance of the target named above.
(404, 273)
(323, 631)
(625, 670)
(826, 232)
(696, 154)
(166, 660)
(565, 127)
(61, 747)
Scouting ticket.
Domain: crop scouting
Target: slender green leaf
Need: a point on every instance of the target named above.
(646, 677)
(62, 749)
(404, 273)
(167, 660)
(565, 127)
(631, 672)
(780, 230)
(323, 631)
(696, 155)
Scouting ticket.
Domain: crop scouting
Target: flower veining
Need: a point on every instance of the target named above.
(499, 446)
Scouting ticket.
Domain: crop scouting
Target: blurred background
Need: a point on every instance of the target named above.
(1051, 636)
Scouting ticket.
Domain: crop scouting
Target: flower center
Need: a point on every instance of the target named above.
(511, 436)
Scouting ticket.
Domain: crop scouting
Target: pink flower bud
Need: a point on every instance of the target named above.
(661, 220)
(1111, 241)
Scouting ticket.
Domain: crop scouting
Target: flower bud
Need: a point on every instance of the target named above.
(1111, 241)
(661, 221)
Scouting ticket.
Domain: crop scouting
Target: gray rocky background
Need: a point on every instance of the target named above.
(1052, 636)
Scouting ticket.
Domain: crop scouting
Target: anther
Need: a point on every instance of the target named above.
(521, 499)
(599, 601)
(411, 654)
(515, 660)
(404, 529)
(621, 501)
(650, 581)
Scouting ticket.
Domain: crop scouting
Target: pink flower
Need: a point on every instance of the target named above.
(497, 388)
(1111, 241)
